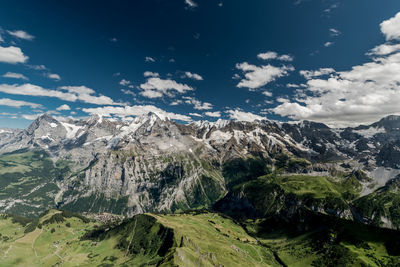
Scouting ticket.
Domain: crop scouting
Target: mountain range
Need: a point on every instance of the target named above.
(154, 164)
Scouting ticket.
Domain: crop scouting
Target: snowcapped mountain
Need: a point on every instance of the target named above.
(368, 146)
(155, 164)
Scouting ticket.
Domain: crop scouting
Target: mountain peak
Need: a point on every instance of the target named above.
(95, 118)
(312, 124)
(43, 121)
(153, 115)
(391, 118)
(45, 117)
(389, 122)
(149, 116)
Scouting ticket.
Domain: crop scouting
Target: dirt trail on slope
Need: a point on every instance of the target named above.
(133, 234)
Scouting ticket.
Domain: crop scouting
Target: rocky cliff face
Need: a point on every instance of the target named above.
(154, 164)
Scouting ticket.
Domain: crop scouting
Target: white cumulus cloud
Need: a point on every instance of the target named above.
(53, 76)
(66, 93)
(215, 114)
(137, 110)
(156, 87)
(63, 107)
(149, 59)
(308, 74)
(363, 94)
(14, 75)
(193, 76)
(240, 115)
(191, 3)
(124, 82)
(151, 74)
(384, 49)
(17, 103)
(30, 117)
(273, 55)
(258, 76)
(12, 55)
(334, 32)
(267, 93)
(391, 28)
(197, 104)
(21, 35)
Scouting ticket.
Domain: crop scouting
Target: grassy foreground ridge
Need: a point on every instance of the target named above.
(60, 238)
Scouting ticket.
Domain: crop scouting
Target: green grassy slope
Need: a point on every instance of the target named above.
(61, 238)
(55, 241)
(287, 217)
(382, 207)
(208, 239)
(326, 241)
(28, 182)
(286, 194)
(193, 239)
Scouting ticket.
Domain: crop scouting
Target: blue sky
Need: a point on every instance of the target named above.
(332, 61)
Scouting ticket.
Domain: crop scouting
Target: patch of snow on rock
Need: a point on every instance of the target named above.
(220, 137)
(71, 129)
(370, 132)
